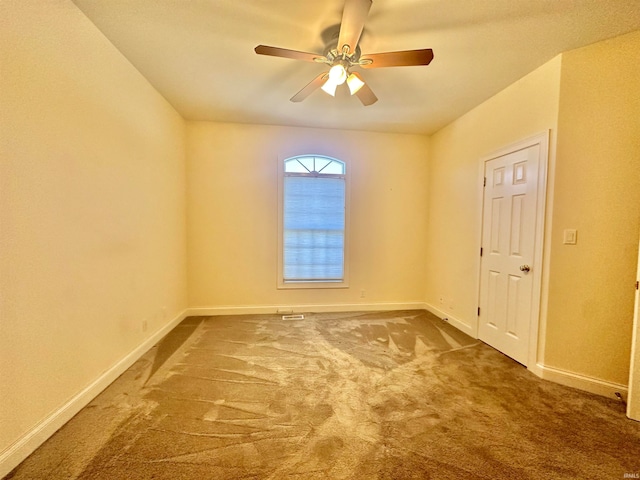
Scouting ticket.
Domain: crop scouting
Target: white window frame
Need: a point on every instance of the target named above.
(281, 284)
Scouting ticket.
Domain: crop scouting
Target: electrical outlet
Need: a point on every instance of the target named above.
(362, 293)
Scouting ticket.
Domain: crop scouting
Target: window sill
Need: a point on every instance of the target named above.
(311, 285)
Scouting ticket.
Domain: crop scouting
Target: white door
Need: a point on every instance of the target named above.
(508, 248)
(633, 404)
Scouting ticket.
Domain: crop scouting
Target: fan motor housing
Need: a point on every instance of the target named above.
(331, 53)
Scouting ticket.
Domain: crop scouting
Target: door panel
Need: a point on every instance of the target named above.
(509, 219)
(633, 404)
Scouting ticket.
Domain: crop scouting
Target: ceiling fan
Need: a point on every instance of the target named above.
(345, 54)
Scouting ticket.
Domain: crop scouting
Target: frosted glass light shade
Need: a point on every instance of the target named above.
(354, 83)
(337, 74)
(330, 87)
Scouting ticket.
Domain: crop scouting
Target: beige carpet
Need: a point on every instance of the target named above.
(391, 395)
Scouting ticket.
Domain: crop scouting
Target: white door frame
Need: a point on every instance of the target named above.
(541, 139)
(633, 398)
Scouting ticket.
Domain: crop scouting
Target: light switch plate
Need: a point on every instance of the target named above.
(570, 236)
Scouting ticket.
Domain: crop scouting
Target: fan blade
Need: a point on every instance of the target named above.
(365, 94)
(405, 58)
(285, 53)
(353, 18)
(311, 87)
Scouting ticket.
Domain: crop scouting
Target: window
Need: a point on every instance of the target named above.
(313, 219)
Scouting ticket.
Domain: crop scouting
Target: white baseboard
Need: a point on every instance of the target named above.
(581, 382)
(459, 324)
(568, 379)
(12, 456)
(276, 309)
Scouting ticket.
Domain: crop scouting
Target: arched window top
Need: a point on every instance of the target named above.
(315, 165)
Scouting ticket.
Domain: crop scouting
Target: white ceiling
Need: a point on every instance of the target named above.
(199, 54)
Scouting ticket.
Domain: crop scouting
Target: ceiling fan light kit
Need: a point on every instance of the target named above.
(345, 54)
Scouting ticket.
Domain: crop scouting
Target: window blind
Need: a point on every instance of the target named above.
(314, 221)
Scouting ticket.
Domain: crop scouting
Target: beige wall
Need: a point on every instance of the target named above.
(527, 107)
(233, 204)
(597, 192)
(92, 210)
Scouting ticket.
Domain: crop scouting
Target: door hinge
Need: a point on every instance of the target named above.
(481, 251)
(478, 311)
(484, 183)
(637, 285)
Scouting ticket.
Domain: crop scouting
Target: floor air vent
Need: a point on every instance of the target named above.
(293, 317)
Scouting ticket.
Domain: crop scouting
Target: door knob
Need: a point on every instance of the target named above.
(525, 268)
